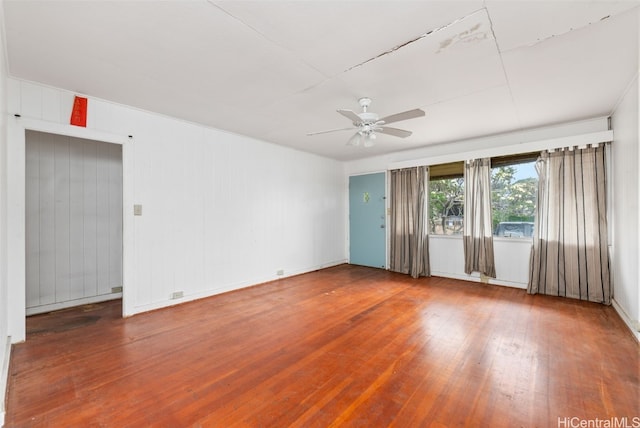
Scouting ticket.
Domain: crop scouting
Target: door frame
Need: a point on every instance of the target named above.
(95, 298)
(386, 211)
(16, 215)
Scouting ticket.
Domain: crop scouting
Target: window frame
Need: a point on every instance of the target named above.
(510, 160)
(447, 171)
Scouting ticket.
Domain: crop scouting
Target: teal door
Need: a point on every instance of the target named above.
(367, 220)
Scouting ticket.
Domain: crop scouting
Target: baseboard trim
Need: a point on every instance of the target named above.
(475, 277)
(138, 309)
(4, 377)
(633, 325)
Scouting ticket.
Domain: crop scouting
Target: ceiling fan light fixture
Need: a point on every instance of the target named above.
(369, 139)
(355, 139)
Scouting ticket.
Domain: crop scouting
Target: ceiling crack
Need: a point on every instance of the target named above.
(420, 37)
(387, 52)
(562, 33)
(504, 70)
(264, 36)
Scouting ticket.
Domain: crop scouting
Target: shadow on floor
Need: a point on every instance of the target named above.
(73, 318)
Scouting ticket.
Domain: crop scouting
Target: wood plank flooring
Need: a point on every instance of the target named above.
(345, 346)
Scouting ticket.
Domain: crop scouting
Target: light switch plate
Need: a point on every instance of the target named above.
(137, 209)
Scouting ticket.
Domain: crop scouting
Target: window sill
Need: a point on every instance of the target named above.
(446, 237)
(495, 238)
(507, 239)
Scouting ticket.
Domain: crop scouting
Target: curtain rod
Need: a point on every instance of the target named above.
(553, 143)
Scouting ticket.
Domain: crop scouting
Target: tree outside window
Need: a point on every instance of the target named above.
(514, 183)
(513, 191)
(446, 206)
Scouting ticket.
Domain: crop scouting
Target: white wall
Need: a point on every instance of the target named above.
(219, 211)
(626, 216)
(511, 255)
(4, 310)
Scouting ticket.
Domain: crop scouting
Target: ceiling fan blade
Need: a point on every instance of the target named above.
(405, 115)
(330, 130)
(395, 132)
(351, 115)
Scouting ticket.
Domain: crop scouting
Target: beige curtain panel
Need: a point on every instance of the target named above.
(570, 256)
(478, 236)
(409, 249)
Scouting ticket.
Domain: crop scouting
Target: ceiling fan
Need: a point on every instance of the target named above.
(367, 124)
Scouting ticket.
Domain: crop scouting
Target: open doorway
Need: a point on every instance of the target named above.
(73, 221)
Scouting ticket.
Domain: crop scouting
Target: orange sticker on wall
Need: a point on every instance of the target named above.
(79, 112)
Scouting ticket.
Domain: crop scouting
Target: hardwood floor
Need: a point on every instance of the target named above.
(345, 346)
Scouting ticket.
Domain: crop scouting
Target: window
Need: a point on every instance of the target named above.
(514, 183)
(446, 194)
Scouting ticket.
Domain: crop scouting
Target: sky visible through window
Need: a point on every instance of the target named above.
(513, 199)
(525, 170)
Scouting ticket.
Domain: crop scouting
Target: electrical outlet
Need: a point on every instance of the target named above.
(280, 272)
(484, 279)
(177, 295)
(116, 289)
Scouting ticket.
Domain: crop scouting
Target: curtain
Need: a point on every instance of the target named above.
(569, 255)
(478, 238)
(409, 234)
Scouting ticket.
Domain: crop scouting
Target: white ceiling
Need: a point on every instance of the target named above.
(276, 70)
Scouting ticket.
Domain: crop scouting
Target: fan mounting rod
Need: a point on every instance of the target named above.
(365, 118)
(364, 103)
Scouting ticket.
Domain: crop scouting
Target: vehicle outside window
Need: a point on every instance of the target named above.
(514, 229)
